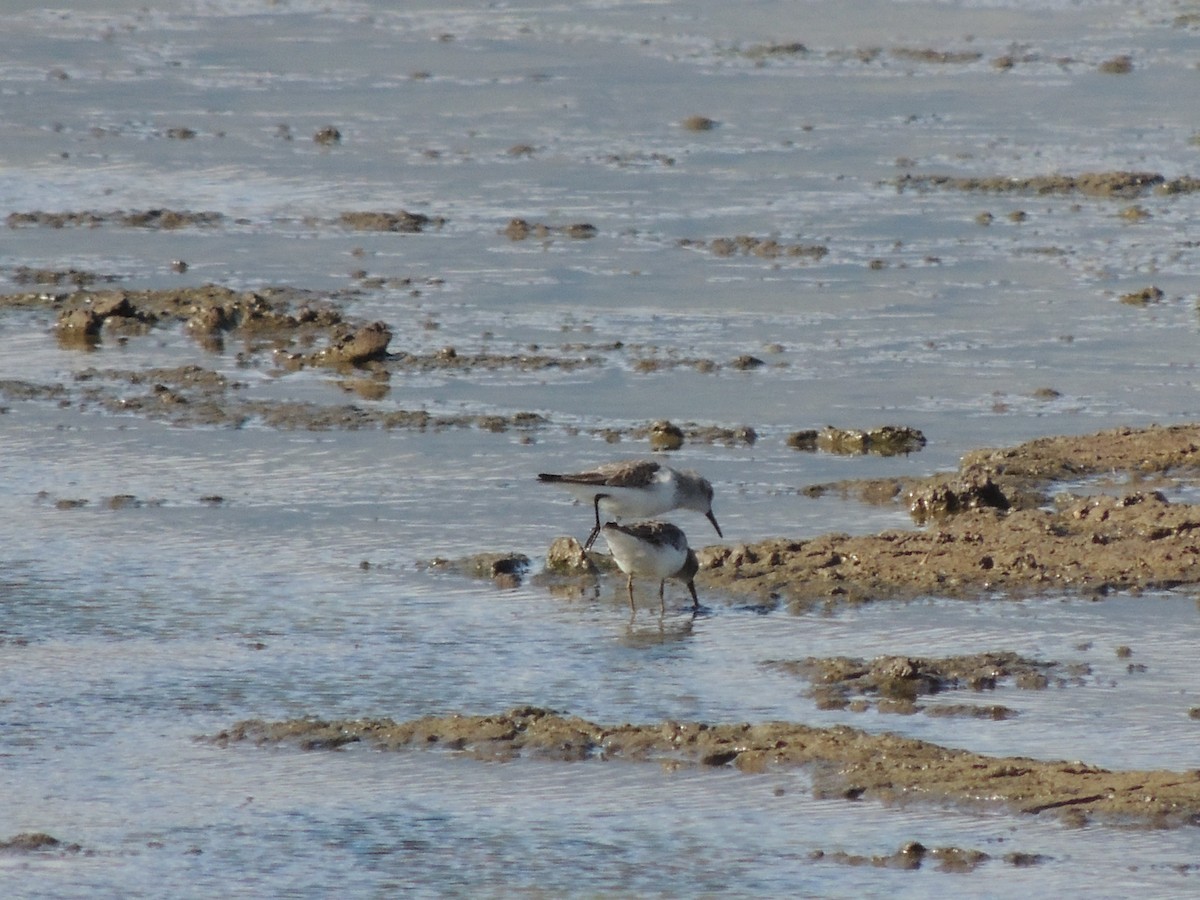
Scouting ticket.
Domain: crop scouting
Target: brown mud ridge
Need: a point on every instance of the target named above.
(763, 54)
(844, 762)
(992, 529)
(1091, 184)
(990, 532)
(400, 221)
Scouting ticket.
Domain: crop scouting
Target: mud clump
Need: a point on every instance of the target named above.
(668, 433)
(766, 248)
(363, 345)
(939, 499)
(665, 436)
(912, 855)
(327, 135)
(75, 277)
(521, 229)
(698, 123)
(896, 682)
(402, 222)
(1144, 297)
(36, 842)
(845, 762)
(566, 556)
(938, 57)
(1118, 65)
(886, 440)
(505, 570)
(164, 219)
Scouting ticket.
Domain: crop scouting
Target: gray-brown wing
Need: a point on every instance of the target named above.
(621, 474)
(657, 533)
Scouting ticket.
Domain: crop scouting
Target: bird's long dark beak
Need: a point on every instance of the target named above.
(709, 515)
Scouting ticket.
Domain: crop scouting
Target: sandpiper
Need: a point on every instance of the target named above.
(653, 550)
(637, 489)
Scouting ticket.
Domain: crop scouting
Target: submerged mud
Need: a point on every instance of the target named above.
(894, 684)
(844, 762)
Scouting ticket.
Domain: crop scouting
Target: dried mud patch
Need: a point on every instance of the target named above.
(844, 762)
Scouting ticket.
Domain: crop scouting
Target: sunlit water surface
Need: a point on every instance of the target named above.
(129, 630)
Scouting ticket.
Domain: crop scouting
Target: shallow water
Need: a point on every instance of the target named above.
(126, 631)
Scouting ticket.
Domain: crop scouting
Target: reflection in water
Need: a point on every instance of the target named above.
(661, 630)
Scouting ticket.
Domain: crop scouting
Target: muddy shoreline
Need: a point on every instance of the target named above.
(844, 762)
(1075, 515)
(1013, 522)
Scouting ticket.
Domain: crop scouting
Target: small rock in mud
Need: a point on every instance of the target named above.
(698, 123)
(665, 436)
(1144, 297)
(504, 569)
(566, 556)
(934, 500)
(83, 322)
(327, 135)
(803, 440)
(368, 343)
(1118, 65)
(746, 361)
(1135, 214)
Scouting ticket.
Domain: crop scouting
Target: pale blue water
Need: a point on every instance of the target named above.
(126, 633)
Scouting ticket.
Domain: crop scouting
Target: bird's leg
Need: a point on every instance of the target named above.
(662, 603)
(632, 608)
(591, 539)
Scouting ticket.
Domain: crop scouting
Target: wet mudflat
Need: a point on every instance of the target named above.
(285, 337)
